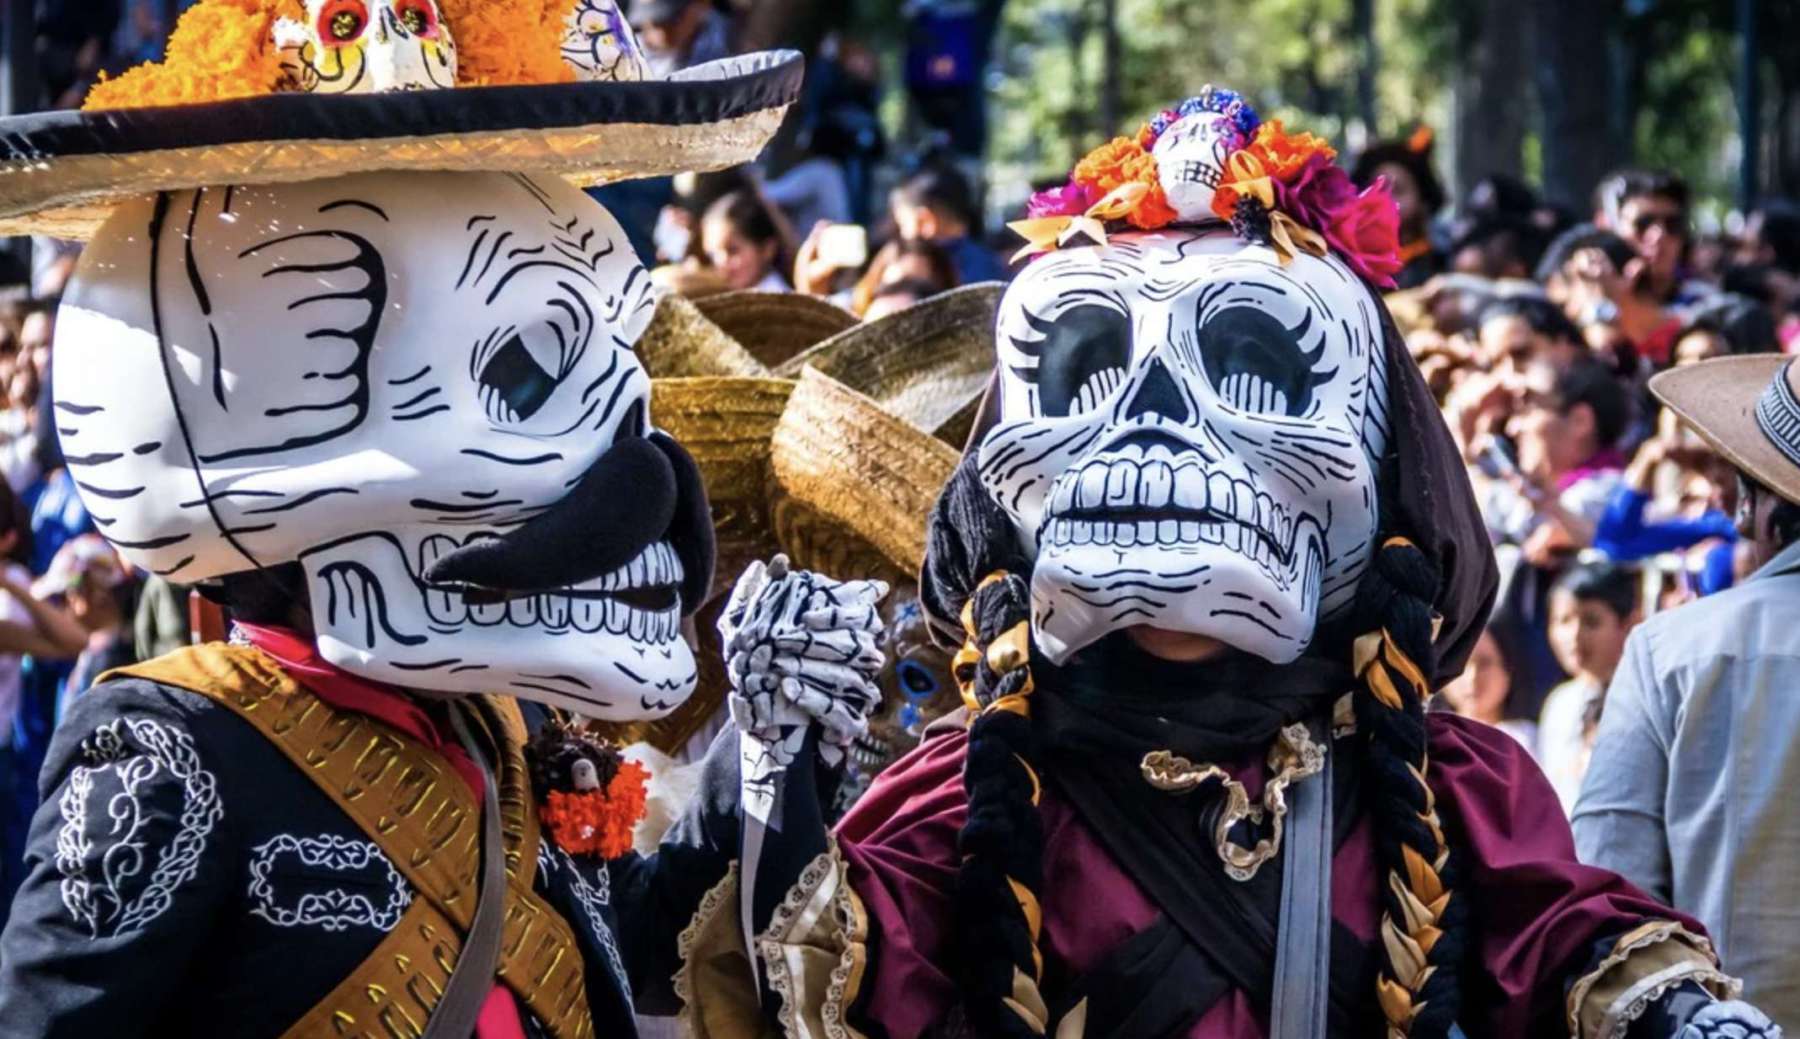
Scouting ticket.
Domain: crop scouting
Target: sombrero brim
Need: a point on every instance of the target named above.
(1718, 399)
(726, 424)
(62, 172)
(870, 474)
(775, 326)
(928, 364)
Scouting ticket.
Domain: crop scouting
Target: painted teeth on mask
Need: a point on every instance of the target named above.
(1158, 484)
(657, 565)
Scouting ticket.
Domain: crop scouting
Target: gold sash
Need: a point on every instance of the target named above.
(406, 798)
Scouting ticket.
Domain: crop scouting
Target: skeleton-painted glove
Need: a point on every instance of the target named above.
(802, 648)
(1688, 1011)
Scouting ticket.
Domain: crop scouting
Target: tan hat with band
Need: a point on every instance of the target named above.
(1748, 409)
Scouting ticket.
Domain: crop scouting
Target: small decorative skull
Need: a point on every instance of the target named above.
(1187, 439)
(916, 685)
(599, 45)
(390, 377)
(1190, 161)
(367, 47)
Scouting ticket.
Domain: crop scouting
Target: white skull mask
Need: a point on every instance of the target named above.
(1187, 439)
(368, 373)
(367, 47)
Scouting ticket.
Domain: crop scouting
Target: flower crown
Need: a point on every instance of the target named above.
(1213, 158)
(226, 49)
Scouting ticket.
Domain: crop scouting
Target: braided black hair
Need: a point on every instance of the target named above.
(976, 575)
(1425, 917)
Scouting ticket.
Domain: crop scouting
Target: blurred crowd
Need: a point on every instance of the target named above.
(1538, 331)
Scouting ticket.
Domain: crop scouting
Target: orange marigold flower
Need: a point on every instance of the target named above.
(1282, 154)
(1123, 160)
(502, 42)
(220, 49)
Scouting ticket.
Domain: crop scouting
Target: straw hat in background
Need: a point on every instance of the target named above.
(682, 342)
(928, 364)
(775, 326)
(855, 483)
(1747, 408)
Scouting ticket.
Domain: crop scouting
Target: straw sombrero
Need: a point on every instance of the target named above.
(1747, 408)
(775, 326)
(62, 172)
(927, 364)
(855, 483)
(681, 342)
(727, 424)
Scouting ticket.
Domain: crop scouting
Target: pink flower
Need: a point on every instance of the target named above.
(1316, 192)
(1072, 199)
(1366, 234)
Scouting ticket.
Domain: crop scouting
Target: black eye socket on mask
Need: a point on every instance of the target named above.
(1081, 358)
(1257, 364)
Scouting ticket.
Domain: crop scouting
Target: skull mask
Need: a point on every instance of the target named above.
(1187, 439)
(367, 46)
(380, 376)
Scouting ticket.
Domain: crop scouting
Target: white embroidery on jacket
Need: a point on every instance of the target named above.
(329, 908)
(99, 869)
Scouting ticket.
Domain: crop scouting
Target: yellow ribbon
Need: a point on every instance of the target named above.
(1049, 233)
(1288, 237)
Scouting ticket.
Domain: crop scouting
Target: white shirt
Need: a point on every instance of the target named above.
(1693, 792)
(1562, 750)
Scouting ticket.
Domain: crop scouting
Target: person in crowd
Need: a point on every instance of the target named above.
(746, 242)
(1485, 686)
(895, 296)
(1565, 428)
(99, 594)
(1689, 791)
(936, 205)
(921, 263)
(1699, 521)
(1650, 211)
(1771, 237)
(1593, 606)
(1418, 195)
(679, 34)
(32, 627)
(1520, 331)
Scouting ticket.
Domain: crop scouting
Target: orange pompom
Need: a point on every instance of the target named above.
(598, 822)
(501, 42)
(220, 49)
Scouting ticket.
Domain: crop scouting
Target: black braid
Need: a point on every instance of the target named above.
(976, 578)
(1390, 713)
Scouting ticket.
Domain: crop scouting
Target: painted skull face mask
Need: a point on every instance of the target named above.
(420, 386)
(1187, 439)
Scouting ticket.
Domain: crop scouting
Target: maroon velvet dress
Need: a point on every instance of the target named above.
(1541, 911)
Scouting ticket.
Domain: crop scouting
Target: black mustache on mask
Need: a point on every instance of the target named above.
(642, 490)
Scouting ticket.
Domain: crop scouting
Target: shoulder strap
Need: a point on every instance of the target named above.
(407, 800)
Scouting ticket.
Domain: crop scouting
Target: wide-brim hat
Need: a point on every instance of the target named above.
(776, 326)
(928, 364)
(682, 342)
(62, 172)
(855, 483)
(727, 424)
(1747, 409)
